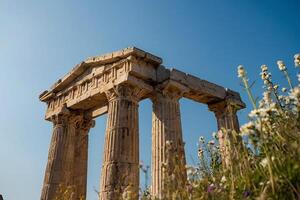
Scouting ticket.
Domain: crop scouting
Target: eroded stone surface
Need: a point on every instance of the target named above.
(120, 167)
(114, 83)
(166, 128)
(67, 159)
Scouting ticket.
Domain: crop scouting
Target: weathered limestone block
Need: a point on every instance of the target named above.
(166, 126)
(121, 152)
(66, 167)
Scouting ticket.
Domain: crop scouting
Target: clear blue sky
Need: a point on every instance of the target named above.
(40, 41)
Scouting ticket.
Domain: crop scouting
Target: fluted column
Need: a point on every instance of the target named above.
(166, 126)
(120, 170)
(225, 112)
(81, 157)
(61, 153)
(67, 160)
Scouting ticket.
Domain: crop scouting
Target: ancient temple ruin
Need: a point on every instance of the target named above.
(113, 84)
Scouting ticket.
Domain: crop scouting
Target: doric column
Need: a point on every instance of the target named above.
(225, 112)
(58, 170)
(120, 170)
(166, 126)
(81, 157)
(66, 167)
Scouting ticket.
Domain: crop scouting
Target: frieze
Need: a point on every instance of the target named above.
(90, 82)
(85, 86)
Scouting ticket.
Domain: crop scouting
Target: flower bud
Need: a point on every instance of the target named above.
(297, 60)
(241, 71)
(281, 65)
(264, 68)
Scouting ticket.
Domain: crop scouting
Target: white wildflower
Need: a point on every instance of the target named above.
(201, 139)
(264, 76)
(212, 142)
(261, 103)
(261, 183)
(296, 93)
(281, 65)
(200, 153)
(241, 71)
(214, 134)
(247, 128)
(264, 162)
(287, 100)
(253, 113)
(283, 89)
(297, 60)
(267, 97)
(191, 170)
(264, 68)
(273, 158)
(223, 179)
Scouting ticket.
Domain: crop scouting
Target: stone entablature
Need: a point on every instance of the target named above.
(115, 83)
(84, 87)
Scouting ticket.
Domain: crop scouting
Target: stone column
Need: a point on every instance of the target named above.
(166, 126)
(58, 173)
(81, 157)
(225, 112)
(120, 170)
(67, 160)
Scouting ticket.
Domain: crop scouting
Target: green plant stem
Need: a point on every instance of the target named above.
(249, 92)
(275, 94)
(271, 174)
(288, 79)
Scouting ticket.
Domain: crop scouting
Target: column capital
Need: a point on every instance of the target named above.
(75, 118)
(169, 90)
(85, 123)
(224, 106)
(61, 117)
(126, 92)
(232, 102)
(81, 121)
